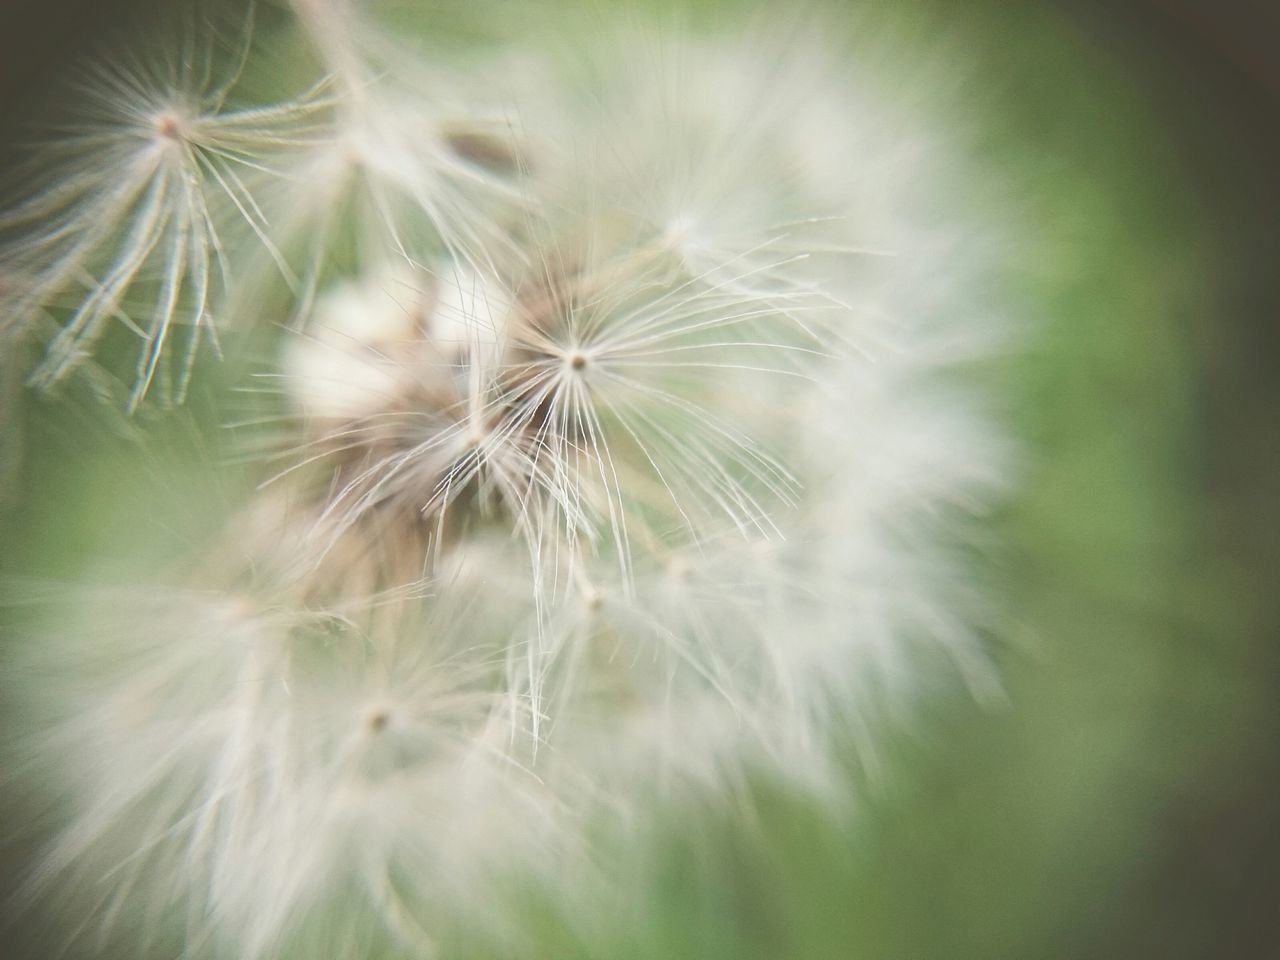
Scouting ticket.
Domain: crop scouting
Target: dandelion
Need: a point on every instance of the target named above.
(131, 201)
(602, 458)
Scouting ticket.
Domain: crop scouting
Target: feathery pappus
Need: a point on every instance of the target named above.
(608, 451)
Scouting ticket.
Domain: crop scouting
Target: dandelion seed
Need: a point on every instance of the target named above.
(423, 173)
(132, 205)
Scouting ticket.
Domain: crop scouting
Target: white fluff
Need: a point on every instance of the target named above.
(622, 472)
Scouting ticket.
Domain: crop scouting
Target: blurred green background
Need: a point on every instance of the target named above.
(1122, 803)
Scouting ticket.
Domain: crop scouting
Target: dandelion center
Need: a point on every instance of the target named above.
(168, 125)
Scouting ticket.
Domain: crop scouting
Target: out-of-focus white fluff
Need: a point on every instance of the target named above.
(617, 464)
(138, 207)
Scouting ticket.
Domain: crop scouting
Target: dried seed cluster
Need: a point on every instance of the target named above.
(604, 460)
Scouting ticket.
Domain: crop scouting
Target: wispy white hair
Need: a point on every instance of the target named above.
(625, 461)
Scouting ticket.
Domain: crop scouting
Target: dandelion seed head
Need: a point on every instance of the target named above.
(612, 464)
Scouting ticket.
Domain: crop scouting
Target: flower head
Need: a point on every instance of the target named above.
(605, 464)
